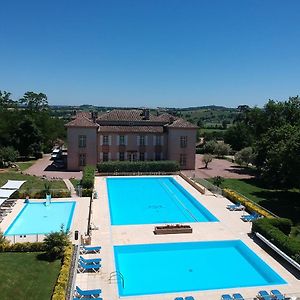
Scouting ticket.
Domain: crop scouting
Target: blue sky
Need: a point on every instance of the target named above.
(151, 52)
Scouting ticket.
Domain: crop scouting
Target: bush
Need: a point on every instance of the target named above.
(40, 194)
(139, 166)
(244, 156)
(222, 149)
(87, 180)
(8, 154)
(209, 147)
(63, 277)
(270, 229)
(233, 196)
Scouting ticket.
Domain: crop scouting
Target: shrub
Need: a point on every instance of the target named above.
(233, 196)
(139, 166)
(87, 180)
(8, 154)
(63, 277)
(209, 147)
(55, 243)
(40, 194)
(222, 149)
(244, 156)
(270, 229)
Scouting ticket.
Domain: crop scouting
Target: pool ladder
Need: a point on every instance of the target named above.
(114, 276)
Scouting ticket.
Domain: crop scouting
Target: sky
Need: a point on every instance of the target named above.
(166, 53)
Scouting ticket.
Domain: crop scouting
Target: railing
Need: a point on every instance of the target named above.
(135, 173)
(115, 275)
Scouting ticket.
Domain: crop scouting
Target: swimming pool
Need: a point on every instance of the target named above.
(153, 200)
(37, 218)
(192, 266)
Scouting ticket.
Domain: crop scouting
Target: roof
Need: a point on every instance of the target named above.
(126, 115)
(156, 129)
(181, 123)
(82, 119)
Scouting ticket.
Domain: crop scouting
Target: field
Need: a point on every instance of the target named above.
(25, 276)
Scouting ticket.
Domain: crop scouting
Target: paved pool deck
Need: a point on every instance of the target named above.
(229, 227)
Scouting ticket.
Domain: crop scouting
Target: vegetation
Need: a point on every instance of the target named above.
(206, 159)
(139, 166)
(56, 243)
(277, 231)
(87, 181)
(27, 125)
(26, 276)
(245, 156)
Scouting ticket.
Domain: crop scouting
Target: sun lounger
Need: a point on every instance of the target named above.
(237, 296)
(250, 218)
(226, 297)
(277, 295)
(264, 295)
(88, 261)
(179, 298)
(87, 293)
(236, 207)
(189, 298)
(82, 267)
(90, 249)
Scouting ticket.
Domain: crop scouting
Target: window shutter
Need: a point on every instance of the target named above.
(138, 140)
(109, 140)
(109, 155)
(101, 140)
(162, 140)
(125, 155)
(118, 140)
(126, 140)
(101, 156)
(146, 140)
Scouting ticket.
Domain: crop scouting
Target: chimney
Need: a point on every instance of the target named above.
(146, 113)
(171, 120)
(94, 116)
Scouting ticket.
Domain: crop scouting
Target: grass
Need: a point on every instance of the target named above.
(24, 276)
(284, 203)
(75, 182)
(23, 165)
(32, 182)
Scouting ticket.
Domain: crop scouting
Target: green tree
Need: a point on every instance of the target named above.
(209, 147)
(206, 159)
(5, 100)
(34, 101)
(244, 156)
(56, 242)
(8, 154)
(278, 156)
(218, 180)
(238, 136)
(222, 149)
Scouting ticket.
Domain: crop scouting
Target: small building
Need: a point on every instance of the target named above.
(132, 135)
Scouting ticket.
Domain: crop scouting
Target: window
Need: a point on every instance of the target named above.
(122, 139)
(158, 140)
(142, 140)
(82, 160)
(82, 141)
(142, 156)
(105, 156)
(157, 156)
(183, 141)
(105, 140)
(122, 156)
(182, 160)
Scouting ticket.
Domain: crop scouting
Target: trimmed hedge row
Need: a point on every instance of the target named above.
(138, 166)
(276, 230)
(60, 288)
(88, 175)
(22, 247)
(40, 194)
(233, 196)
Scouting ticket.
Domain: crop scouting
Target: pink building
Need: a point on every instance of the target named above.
(129, 135)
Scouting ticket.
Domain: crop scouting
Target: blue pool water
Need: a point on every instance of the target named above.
(37, 218)
(193, 266)
(153, 200)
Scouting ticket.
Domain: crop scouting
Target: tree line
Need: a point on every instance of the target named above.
(26, 126)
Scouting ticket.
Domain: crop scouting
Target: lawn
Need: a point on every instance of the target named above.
(284, 203)
(24, 276)
(32, 182)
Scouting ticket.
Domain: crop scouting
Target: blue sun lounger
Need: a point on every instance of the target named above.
(237, 296)
(226, 297)
(87, 293)
(189, 298)
(237, 206)
(82, 267)
(264, 295)
(88, 261)
(250, 218)
(90, 249)
(277, 294)
(179, 298)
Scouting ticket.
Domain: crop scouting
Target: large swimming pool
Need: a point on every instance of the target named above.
(37, 218)
(153, 200)
(192, 266)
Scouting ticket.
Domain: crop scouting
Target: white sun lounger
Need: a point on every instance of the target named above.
(13, 184)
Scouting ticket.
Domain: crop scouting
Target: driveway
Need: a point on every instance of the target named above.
(44, 167)
(218, 167)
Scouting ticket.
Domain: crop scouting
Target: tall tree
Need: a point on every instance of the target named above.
(34, 101)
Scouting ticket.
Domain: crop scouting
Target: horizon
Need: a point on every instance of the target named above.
(133, 53)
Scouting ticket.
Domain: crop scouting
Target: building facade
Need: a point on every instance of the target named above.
(132, 135)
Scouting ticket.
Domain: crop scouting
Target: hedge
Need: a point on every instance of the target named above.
(138, 166)
(60, 288)
(271, 229)
(22, 247)
(233, 196)
(40, 194)
(87, 181)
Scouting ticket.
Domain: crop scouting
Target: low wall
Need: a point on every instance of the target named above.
(192, 183)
